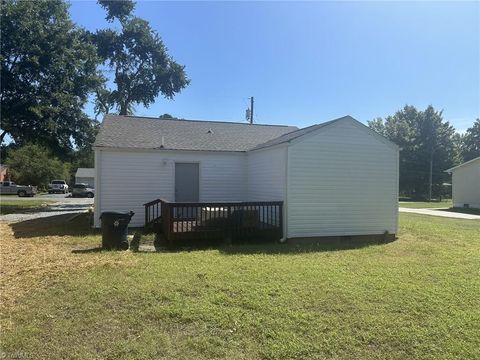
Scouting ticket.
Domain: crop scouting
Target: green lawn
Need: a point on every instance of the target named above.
(12, 204)
(426, 205)
(415, 298)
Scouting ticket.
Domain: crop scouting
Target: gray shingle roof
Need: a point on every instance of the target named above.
(147, 133)
(85, 172)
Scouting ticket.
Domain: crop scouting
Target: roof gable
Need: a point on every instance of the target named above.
(293, 135)
(462, 165)
(299, 134)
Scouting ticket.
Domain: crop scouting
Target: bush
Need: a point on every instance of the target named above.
(35, 165)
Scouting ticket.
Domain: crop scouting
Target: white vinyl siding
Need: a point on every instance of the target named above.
(267, 174)
(342, 180)
(466, 185)
(128, 179)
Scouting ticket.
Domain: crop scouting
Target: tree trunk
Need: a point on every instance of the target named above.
(2, 136)
(123, 108)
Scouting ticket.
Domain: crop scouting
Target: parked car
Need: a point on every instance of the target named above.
(58, 186)
(10, 188)
(83, 190)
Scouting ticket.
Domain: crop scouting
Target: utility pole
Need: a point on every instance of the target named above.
(251, 110)
(430, 178)
(431, 174)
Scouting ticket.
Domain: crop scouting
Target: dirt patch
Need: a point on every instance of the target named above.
(30, 259)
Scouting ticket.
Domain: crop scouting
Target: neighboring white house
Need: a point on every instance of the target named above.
(85, 176)
(466, 184)
(336, 178)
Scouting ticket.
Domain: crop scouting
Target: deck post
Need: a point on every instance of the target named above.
(146, 215)
(280, 213)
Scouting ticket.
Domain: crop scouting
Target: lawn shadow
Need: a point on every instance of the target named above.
(57, 225)
(292, 246)
(88, 250)
(308, 245)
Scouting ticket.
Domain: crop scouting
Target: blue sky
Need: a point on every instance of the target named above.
(309, 62)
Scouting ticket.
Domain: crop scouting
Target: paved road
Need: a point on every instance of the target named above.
(440, 212)
(63, 205)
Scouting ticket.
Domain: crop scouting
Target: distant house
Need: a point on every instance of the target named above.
(86, 176)
(338, 178)
(4, 176)
(466, 184)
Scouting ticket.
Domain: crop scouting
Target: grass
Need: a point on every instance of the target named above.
(415, 298)
(447, 203)
(10, 205)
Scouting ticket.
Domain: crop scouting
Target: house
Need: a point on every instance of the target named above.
(466, 184)
(338, 178)
(85, 176)
(4, 175)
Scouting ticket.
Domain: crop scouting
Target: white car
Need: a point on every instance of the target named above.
(58, 186)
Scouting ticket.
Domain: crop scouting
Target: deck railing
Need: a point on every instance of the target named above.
(152, 212)
(216, 220)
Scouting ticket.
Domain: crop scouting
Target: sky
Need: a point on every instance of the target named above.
(310, 62)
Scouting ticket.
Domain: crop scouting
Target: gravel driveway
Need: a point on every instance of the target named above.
(62, 198)
(63, 205)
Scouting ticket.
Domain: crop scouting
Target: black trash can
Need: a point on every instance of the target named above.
(115, 229)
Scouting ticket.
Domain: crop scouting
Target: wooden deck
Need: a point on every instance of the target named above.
(236, 221)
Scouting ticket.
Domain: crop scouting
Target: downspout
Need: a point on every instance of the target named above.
(285, 199)
(98, 190)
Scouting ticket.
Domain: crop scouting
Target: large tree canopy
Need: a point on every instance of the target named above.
(48, 67)
(424, 137)
(139, 61)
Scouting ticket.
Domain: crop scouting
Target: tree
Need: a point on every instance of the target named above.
(428, 147)
(435, 146)
(35, 165)
(117, 9)
(400, 128)
(84, 157)
(48, 68)
(166, 116)
(471, 142)
(139, 60)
